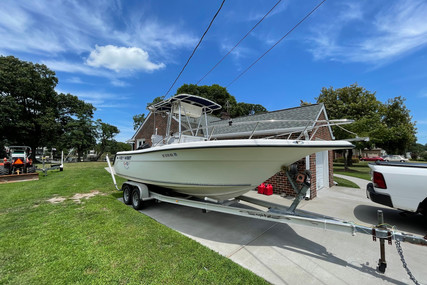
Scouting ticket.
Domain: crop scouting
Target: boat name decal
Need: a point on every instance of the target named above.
(170, 154)
(129, 157)
(126, 164)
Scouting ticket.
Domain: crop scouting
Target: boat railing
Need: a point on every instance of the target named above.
(300, 130)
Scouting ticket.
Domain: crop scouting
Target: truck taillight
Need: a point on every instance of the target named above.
(379, 181)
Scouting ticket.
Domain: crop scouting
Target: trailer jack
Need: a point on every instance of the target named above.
(382, 263)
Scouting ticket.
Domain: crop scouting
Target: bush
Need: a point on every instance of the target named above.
(341, 160)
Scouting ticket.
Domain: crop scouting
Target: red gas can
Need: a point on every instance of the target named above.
(261, 188)
(268, 190)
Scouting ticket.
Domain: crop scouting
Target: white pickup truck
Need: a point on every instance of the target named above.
(399, 185)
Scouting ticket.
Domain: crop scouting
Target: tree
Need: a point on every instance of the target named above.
(105, 134)
(399, 132)
(118, 146)
(352, 102)
(138, 120)
(80, 134)
(387, 125)
(220, 95)
(245, 109)
(417, 150)
(32, 113)
(28, 110)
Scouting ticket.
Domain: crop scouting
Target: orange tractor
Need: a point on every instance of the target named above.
(18, 165)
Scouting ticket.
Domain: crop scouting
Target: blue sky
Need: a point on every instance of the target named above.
(120, 55)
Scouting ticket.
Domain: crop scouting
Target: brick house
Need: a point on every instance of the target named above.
(297, 119)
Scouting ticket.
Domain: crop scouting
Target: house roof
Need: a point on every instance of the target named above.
(281, 121)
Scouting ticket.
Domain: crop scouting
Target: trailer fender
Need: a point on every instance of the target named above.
(144, 193)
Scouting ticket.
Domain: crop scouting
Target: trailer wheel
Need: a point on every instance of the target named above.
(127, 194)
(136, 201)
(31, 169)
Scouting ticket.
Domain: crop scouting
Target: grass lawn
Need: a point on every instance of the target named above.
(97, 240)
(345, 183)
(359, 170)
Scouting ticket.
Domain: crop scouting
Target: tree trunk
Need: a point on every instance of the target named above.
(350, 157)
(345, 154)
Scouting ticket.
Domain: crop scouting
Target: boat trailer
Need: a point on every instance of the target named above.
(136, 193)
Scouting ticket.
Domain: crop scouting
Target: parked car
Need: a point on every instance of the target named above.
(373, 158)
(395, 158)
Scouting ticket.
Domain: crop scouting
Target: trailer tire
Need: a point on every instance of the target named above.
(136, 200)
(31, 169)
(127, 194)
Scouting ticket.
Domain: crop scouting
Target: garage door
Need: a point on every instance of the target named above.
(322, 170)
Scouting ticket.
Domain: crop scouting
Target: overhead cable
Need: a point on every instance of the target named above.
(231, 50)
(290, 31)
(200, 41)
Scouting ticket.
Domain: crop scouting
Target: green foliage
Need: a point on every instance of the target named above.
(105, 134)
(155, 101)
(387, 125)
(138, 120)
(399, 132)
(245, 109)
(342, 160)
(28, 106)
(115, 147)
(220, 95)
(80, 134)
(32, 113)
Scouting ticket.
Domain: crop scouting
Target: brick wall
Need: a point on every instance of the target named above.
(150, 126)
(280, 182)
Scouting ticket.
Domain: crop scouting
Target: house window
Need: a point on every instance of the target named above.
(139, 143)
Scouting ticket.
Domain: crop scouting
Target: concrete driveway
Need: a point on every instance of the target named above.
(293, 254)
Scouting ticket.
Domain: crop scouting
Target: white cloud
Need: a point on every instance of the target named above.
(395, 30)
(56, 30)
(122, 58)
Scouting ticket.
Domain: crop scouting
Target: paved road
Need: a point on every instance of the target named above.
(292, 254)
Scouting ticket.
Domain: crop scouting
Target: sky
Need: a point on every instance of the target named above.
(120, 55)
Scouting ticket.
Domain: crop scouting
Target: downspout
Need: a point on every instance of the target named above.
(307, 165)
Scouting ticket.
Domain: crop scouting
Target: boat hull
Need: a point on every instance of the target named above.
(215, 169)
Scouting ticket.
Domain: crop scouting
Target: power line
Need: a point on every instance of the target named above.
(200, 41)
(290, 31)
(230, 51)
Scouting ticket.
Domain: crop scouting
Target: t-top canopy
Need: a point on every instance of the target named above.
(166, 105)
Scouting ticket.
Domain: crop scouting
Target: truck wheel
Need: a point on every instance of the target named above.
(127, 194)
(422, 208)
(136, 201)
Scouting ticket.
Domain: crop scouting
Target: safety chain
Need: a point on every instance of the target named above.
(405, 265)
